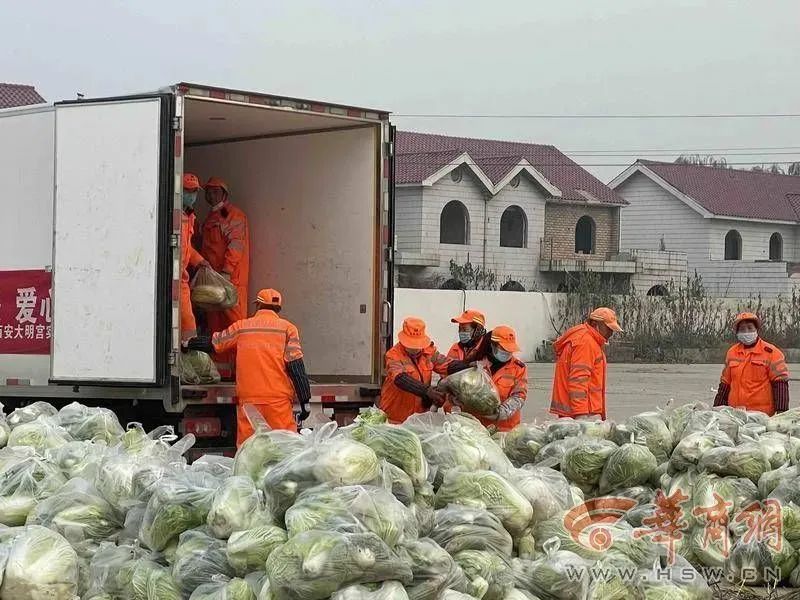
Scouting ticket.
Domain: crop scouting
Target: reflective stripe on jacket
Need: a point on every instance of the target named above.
(511, 381)
(750, 372)
(579, 384)
(264, 343)
(399, 404)
(226, 243)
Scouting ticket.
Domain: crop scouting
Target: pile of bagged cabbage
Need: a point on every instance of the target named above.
(434, 509)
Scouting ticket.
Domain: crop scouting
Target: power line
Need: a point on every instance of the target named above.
(681, 150)
(574, 163)
(603, 116)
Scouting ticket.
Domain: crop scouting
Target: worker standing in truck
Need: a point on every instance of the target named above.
(270, 372)
(410, 365)
(226, 246)
(189, 256)
(755, 376)
(471, 328)
(579, 385)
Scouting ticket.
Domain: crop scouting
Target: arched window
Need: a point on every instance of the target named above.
(658, 290)
(776, 246)
(733, 245)
(513, 228)
(454, 224)
(512, 286)
(584, 235)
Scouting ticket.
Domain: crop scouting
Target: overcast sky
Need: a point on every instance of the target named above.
(449, 57)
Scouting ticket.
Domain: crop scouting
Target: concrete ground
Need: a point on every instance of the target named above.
(635, 388)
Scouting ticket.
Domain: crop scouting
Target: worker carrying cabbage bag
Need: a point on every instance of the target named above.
(212, 291)
(496, 389)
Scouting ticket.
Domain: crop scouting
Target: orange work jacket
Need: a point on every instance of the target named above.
(189, 257)
(579, 385)
(226, 243)
(456, 352)
(399, 404)
(264, 343)
(750, 372)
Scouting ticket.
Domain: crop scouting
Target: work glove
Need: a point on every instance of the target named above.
(436, 397)
(203, 344)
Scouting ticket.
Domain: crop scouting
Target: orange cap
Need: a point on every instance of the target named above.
(506, 338)
(746, 316)
(269, 297)
(470, 316)
(217, 182)
(190, 182)
(607, 316)
(413, 334)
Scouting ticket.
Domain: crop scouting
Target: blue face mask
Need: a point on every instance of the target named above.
(189, 198)
(501, 355)
(465, 336)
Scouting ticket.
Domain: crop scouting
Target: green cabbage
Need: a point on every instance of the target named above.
(31, 412)
(757, 562)
(84, 423)
(691, 448)
(629, 465)
(475, 390)
(42, 434)
(523, 443)
(40, 564)
(372, 415)
(234, 589)
(314, 564)
(748, 460)
(547, 490)
(458, 528)
(434, 570)
(236, 506)
(399, 446)
(146, 580)
(583, 464)
(248, 550)
(558, 575)
(199, 559)
(264, 449)
(486, 489)
(486, 572)
(388, 590)
(650, 428)
(343, 461)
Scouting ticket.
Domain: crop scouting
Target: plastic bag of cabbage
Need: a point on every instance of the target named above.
(474, 389)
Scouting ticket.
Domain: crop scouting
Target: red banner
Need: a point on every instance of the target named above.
(25, 324)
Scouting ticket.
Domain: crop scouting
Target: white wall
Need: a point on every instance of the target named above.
(407, 219)
(527, 312)
(755, 239)
(26, 170)
(654, 213)
(310, 202)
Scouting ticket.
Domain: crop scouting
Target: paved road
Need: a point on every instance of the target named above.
(634, 388)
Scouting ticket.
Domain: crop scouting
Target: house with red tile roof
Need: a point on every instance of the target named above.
(739, 229)
(525, 212)
(15, 94)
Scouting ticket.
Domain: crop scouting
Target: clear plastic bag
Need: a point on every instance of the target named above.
(388, 590)
(145, 579)
(235, 506)
(78, 512)
(434, 570)
(489, 576)
(474, 389)
(264, 449)
(178, 503)
(198, 559)
(650, 428)
(523, 443)
(224, 589)
(486, 489)
(547, 490)
(218, 466)
(197, 368)
(248, 550)
(24, 482)
(31, 412)
(628, 466)
(43, 433)
(558, 574)
(400, 446)
(583, 464)
(748, 460)
(78, 459)
(90, 423)
(40, 564)
(692, 447)
(352, 509)
(315, 564)
(212, 291)
(457, 528)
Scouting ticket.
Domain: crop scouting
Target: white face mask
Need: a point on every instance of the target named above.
(748, 338)
(501, 355)
(217, 206)
(465, 336)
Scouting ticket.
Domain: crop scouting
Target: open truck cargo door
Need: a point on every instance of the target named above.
(111, 247)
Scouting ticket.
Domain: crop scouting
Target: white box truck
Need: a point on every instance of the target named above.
(92, 192)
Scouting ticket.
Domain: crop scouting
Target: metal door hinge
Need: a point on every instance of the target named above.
(176, 123)
(172, 358)
(390, 148)
(173, 240)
